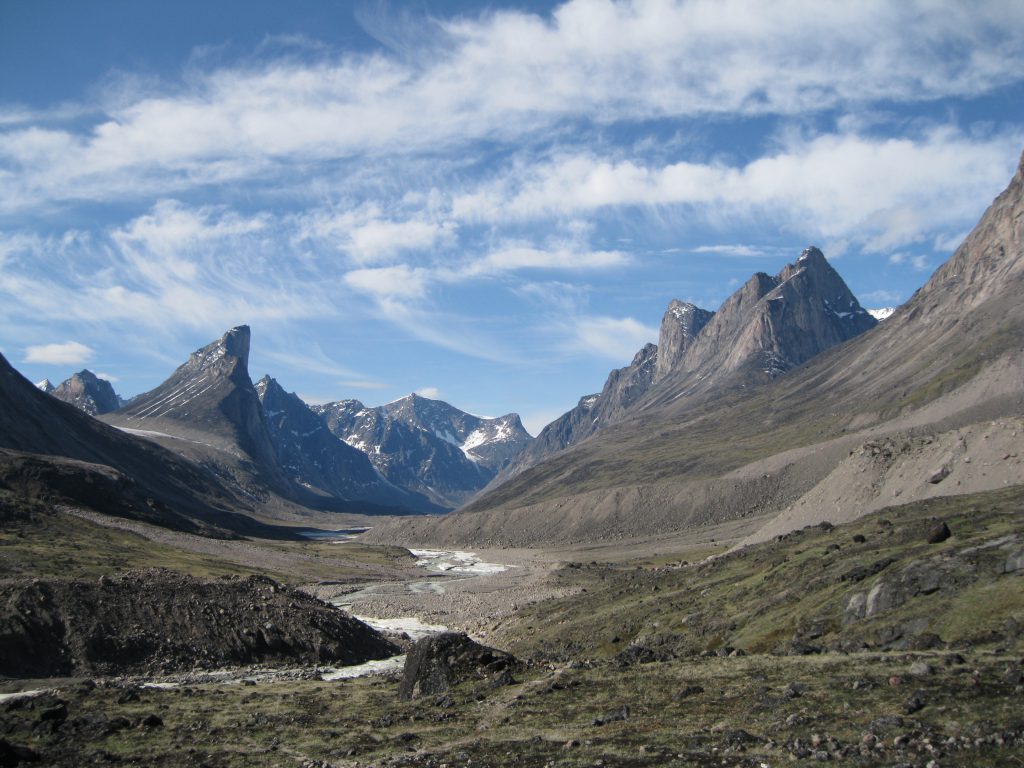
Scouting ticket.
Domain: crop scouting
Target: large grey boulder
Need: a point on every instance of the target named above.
(438, 662)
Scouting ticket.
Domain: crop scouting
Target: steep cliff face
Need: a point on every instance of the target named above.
(210, 401)
(680, 326)
(771, 325)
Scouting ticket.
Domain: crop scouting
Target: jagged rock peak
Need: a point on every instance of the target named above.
(46, 386)
(233, 344)
(647, 354)
(812, 253)
(679, 327)
(264, 384)
(88, 392)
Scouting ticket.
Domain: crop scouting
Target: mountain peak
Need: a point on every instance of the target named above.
(45, 385)
(236, 343)
(228, 355)
(812, 254)
(268, 382)
(87, 392)
(679, 327)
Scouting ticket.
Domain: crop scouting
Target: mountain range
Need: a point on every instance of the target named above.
(775, 407)
(791, 405)
(768, 326)
(428, 445)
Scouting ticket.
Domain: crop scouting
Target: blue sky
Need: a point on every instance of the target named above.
(485, 203)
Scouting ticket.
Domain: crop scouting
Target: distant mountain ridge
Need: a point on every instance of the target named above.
(308, 451)
(86, 391)
(770, 325)
(428, 456)
(429, 446)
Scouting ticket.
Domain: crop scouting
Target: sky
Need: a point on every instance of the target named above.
(491, 204)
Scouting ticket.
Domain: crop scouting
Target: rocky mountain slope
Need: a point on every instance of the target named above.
(768, 326)
(86, 391)
(428, 446)
(308, 451)
(209, 411)
(209, 401)
(723, 435)
(51, 451)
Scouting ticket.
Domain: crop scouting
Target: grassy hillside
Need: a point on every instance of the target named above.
(807, 591)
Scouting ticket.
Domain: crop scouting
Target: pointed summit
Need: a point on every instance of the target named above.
(231, 349)
(87, 392)
(45, 385)
(209, 400)
(679, 327)
(772, 324)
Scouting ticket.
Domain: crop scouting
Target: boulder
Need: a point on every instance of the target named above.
(938, 533)
(439, 662)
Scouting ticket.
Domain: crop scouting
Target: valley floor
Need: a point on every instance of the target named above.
(635, 654)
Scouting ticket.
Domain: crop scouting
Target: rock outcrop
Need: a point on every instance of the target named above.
(439, 662)
(162, 621)
(680, 326)
(209, 399)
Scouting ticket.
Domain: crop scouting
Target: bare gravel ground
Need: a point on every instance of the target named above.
(480, 603)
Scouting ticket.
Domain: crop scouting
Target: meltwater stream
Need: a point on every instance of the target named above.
(455, 564)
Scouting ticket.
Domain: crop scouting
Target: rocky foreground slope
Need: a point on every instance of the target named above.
(162, 621)
(894, 640)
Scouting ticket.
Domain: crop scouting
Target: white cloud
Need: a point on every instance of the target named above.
(506, 75)
(881, 192)
(380, 239)
(68, 353)
(176, 266)
(369, 237)
(517, 257)
(433, 393)
(614, 338)
(400, 281)
(108, 377)
(737, 250)
(882, 297)
(918, 261)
